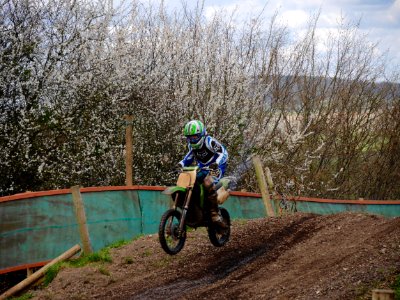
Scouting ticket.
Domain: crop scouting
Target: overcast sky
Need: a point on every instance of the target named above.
(380, 19)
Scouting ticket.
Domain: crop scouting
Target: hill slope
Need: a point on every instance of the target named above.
(301, 256)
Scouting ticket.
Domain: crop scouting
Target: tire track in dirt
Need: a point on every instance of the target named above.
(299, 256)
(237, 263)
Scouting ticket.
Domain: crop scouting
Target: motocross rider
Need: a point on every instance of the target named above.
(206, 151)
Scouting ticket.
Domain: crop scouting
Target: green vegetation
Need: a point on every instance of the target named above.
(146, 253)
(165, 261)
(52, 273)
(128, 260)
(396, 288)
(121, 243)
(241, 222)
(330, 130)
(101, 256)
(103, 270)
(23, 297)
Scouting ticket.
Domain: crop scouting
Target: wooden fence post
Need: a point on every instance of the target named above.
(39, 273)
(382, 294)
(81, 219)
(263, 186)
(272, 189)
(128, 149)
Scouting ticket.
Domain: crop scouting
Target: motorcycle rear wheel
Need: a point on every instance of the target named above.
(220, 236)
(171, 240)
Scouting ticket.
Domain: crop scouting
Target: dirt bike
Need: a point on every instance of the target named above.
(190, 210)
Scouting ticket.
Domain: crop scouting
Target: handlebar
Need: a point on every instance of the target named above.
(198, 169)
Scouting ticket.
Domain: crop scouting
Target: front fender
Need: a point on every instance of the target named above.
(173, 189)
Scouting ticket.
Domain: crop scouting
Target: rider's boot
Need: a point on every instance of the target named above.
(214, 211)
(213, 203)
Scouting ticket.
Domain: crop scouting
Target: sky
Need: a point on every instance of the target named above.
(380, 19)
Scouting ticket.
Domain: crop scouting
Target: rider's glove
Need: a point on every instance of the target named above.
(213, 166)
(178, 168)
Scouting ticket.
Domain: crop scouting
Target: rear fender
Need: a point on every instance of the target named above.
(223, 182)
(223, 190)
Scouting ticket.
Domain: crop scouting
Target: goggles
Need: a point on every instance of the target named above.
(193, 138)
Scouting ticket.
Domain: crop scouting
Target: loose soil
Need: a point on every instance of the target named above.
(298, 256)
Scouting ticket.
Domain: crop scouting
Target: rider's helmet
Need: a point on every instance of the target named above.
(195, 133)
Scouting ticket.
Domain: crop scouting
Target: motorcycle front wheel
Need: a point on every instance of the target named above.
(220, 236)
(169, 235)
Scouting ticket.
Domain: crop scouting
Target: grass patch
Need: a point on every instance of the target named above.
(121, 243)
(23, 297)
(103, 270)
(102, 256)
(129, 260)
(190, 229)
(146, 253)
(52, 272)
(164, 262)
(241, 222)
(396, 288)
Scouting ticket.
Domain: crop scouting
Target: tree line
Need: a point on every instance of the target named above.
(325, 120)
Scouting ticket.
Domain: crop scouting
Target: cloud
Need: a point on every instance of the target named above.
(244, 8)
(295, 18)
(394, 13)
(379, 18)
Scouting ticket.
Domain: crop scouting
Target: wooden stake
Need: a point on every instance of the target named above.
(272, 189)
(81, 219)
(263, 186)
(128, 149)
(39, 273)
(382, 294)
(269, 178)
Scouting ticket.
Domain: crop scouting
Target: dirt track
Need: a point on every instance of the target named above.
(301, 256)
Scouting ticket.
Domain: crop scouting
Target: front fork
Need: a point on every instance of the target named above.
(185, 208)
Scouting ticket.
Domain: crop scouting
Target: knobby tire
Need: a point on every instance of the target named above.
(219, 237)
(167, 232)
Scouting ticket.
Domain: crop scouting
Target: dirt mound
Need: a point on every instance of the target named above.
(301, 256)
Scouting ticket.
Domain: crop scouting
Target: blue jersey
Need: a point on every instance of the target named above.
(211, 151)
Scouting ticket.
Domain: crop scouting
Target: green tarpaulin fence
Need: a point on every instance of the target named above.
(35, 227)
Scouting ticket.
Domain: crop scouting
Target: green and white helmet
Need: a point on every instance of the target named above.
(195, 133)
